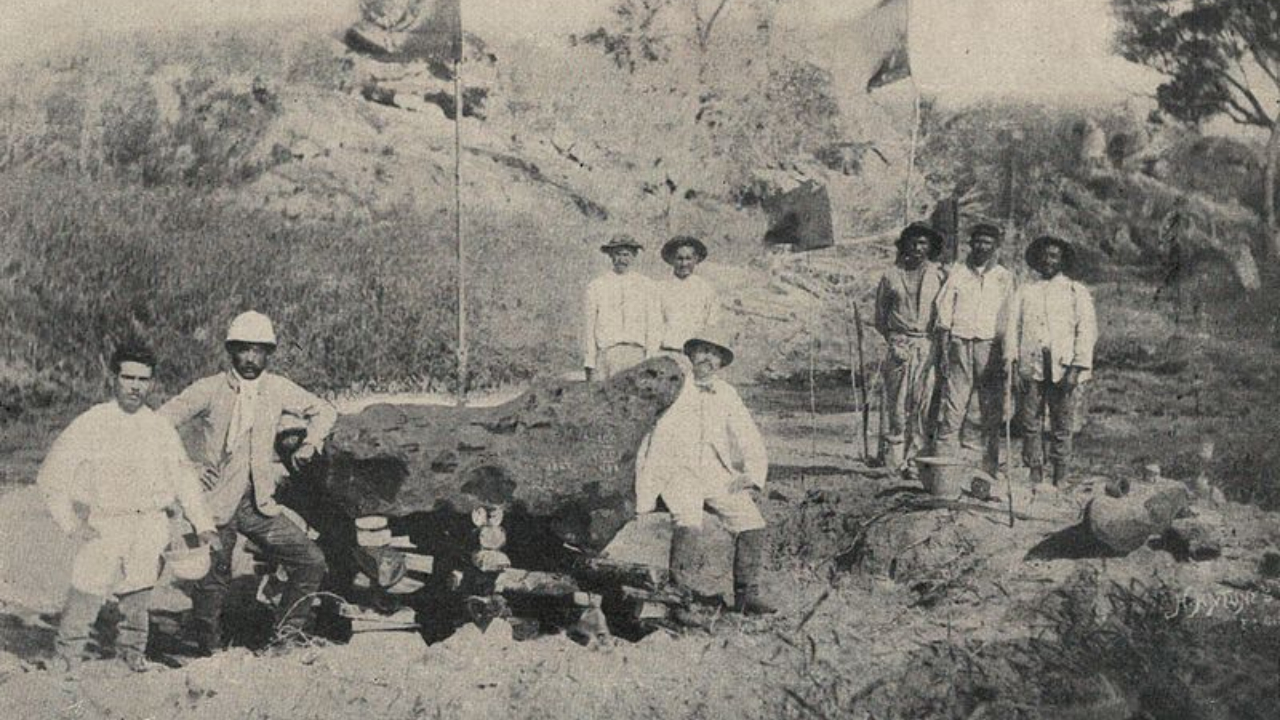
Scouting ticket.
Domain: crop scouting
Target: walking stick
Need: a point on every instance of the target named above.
(1008, 437)
(862, 373)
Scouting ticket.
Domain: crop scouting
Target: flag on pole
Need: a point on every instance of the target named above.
(409, 30)
(887, 27)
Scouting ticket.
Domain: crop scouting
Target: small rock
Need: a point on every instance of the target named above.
(1269, 566)
(1190, 538)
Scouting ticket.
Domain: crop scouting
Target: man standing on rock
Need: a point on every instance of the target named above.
(904, 317)
(706, 451)
(1051, 334)
(127, 465)
(970, 324)
(238, 413)
(686, 302)
(622, 324)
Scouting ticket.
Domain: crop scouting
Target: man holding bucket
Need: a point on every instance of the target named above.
(239, 412)
(127, 464)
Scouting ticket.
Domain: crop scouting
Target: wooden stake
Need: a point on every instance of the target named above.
(457, 218)
(862, 373)
(1008, 437)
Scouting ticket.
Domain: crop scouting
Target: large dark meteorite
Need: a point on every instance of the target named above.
(563, 452)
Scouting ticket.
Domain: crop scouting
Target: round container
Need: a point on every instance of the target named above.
(944, 476)
(188, 563)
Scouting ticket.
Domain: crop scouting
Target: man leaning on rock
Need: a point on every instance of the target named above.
(238, 413)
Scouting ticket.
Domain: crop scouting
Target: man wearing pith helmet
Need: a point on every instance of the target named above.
(621, 318)
(687, 303)
(238, 413)
(707, 452)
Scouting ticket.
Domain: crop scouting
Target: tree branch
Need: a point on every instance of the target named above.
(1260, 112)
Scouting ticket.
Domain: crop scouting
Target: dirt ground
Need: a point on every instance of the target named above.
(850, 640)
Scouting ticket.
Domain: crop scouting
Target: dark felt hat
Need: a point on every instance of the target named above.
(987, 230)
(1037, 247)
(669, 249)
(919, 229)
(620, 241)
(726, 355)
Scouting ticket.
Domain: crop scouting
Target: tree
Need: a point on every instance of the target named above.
(1220, 58)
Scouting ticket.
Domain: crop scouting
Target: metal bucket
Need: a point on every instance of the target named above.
(945, 476)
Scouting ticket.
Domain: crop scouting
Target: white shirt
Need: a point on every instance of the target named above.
(119, 463)
(620, 309)
(1055, 315)
(707, 436)
(971, 304)
(688, 307)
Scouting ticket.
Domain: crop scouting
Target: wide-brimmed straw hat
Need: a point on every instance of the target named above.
(620, 241)
(1037, 247)
(671, 246)
(919, 229)
(719, 345)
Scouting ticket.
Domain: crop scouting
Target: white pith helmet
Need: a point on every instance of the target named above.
(252, 327)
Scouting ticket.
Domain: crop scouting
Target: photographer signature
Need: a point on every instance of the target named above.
(1222, 603)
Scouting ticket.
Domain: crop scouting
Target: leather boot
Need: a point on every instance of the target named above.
(133, 629)
(683, 559)
(748, 558)
(1059, 474)
(1036, 475)
(78, 615)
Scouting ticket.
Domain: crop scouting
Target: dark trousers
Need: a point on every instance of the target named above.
(971, 366)
(1037, 395)
(282, 541)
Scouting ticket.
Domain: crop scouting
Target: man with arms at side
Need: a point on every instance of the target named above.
(687, 303)
(1051, 334)
(621, 314)
(904, 317)
(238, 413)
(127, 464)
(970, 324)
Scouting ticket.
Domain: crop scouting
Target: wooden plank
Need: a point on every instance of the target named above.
(610, 572)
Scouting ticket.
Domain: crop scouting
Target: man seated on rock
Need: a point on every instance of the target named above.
(1051, 334)
(239, 412)
(706, 452)
(128, 466)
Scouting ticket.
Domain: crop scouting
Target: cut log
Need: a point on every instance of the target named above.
(1123, 524)
(662, 596)
(533, 582)
(564, 452)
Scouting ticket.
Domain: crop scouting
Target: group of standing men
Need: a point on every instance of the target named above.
(972, 328)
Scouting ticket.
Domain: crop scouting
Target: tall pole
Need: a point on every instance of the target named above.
(915, 131)
(457, 215)
(911, 162)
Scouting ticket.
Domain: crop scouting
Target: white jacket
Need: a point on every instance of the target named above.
(1056, 315)
(705, 438)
